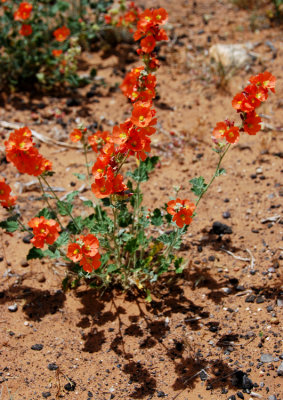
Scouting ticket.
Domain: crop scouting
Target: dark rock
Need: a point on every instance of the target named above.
(247, 384)
(220, 229)
(24, 263)
(240, 395)
(46, 394)
(160, 394)
(232, 397)
(260, 299)
(269, 308)
(211, 258)
(89, 394)
(52, 367)
(70, 386)
(203, 375)
(13, 308)
(272, 397)
(27, 238)
(2, 295)
(250, 298)
(37, 347)
(72, 102)
(226, 215)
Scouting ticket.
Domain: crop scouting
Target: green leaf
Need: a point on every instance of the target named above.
(112, 268)
(132, 245)
(179, 266)
(198, 185)
(157, 219)
(106, 202)
(64, 208)
(63, 239)
(35, 253)
(88, 203)
(148, 298)
(140, 174)
(9, 226)
(80, 176)
(51, 254)
(70, 197)
(125, 218)
(221, 171)
(46, 214)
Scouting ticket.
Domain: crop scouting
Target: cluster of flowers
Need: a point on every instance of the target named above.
(128, 20)
(6, 200)
(133, 136)
(21, 151)
(85, 251)
(23, 13)
(44, 231)
(246, 103)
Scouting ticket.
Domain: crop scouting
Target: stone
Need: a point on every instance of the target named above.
(52, 367)
(37, 347)
(45, 395)
(13, 308)
(232, 55)
(266, 358)
(280, 370)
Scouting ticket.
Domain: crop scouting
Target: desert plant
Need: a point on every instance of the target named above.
(120, 241)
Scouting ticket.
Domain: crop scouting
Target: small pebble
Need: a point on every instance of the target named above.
(226, 215)
(280, 370)
(37, 347)
(272, 397)
(45, 395)
(240, 395)
(13, 308)
(52, 367)
(24, 263)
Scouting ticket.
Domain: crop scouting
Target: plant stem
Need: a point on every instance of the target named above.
(215, 173)
(49, 205)
(59, 201)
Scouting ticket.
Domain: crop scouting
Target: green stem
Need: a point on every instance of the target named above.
(116, 245)
(59, 201)
(215, 173)
(49, 205)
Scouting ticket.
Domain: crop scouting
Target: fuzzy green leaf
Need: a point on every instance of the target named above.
(35, 253)
(198, 185)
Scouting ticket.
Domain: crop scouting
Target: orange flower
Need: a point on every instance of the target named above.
(148, 44)
(86, 252)
(226, 130)
(61, 34)
(44, 230)
(252, 123)
(26, 30)
(6, 199)
(57, 53)
(74, 252)
(182, 211)
(90, 246)
(76, 135)
(21, 152)
(90, 263)
(232, 134)
(102, 188)
(98, 139)
(159, 16)
(141, 115)
(23, 11)
(264, 80)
